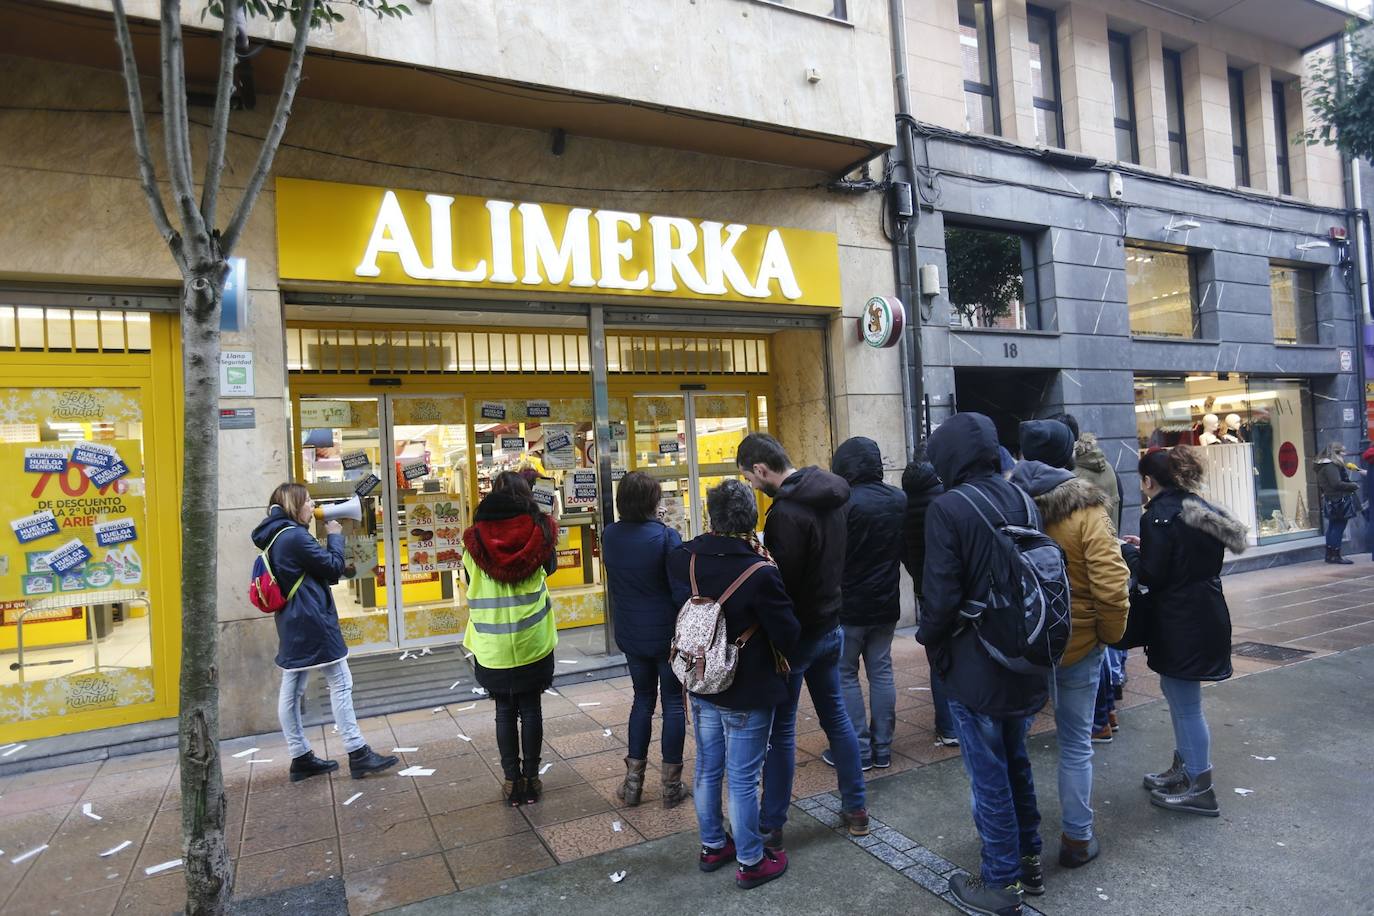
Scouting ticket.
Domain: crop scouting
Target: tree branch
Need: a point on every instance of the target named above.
(219, 124)
(146, 173)
(274, 133)
(176, 130)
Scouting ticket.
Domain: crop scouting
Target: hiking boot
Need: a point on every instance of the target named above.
(864, 765)
(632, 788)
(513, 791)
(1169, 780)
(534, 790)
(307, 765)
(1113, 721)
(1074, 853)
(946, 740)
(674, 792)
(713, 859)
(365, 760)
(772, 865)
(772, 839)
(856, 821)
(1102, 735)
(1032, 875)
(977, 896)
(1196, 797)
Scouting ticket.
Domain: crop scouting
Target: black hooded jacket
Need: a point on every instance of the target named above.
(873, 552)
(805, 533)
(960, 551)
(921, 487)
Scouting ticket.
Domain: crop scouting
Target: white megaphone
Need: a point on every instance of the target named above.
(349, 508)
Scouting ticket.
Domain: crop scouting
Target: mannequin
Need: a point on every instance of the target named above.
(1231, 428)
(1210, 425)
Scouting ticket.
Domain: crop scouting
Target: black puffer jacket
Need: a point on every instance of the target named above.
(921, 486)
(1183, 540)
(873, 551)
(960, 552)
(805, 533)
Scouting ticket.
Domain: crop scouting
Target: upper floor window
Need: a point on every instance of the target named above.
(1173, 107)
(1281, 140)
(1123, 97)
(1160, 292)
(980, 81)
(992, 278)
(1044, 76)
(1292, 295)
(1240, 146)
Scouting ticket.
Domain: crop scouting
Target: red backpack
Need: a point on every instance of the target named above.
(263, 592)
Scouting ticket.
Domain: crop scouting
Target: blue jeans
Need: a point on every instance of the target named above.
(1335, 533)
(1003, 790)
(653, 677)
(1191, 737)
(1073, 717)
(731, 743)
(874, 644)
(1116, 664)
(293, 684)
(944, 720)
(817, 661)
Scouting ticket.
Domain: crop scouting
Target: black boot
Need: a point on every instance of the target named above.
(1171, 780)
(307, 765)
(1195, 797)
(1333, 555)
(365, 760)
(532, 785)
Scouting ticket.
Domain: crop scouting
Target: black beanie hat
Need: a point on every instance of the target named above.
(1048, 441)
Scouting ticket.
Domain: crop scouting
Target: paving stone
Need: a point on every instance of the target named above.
(589, 836)
(497, 860)
(398, 883)
(392, 843)
(927, 879)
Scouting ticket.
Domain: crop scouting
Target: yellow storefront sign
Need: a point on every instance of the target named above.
(357, 234)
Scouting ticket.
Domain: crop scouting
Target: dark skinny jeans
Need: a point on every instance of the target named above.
(653, 677)
(526, 707)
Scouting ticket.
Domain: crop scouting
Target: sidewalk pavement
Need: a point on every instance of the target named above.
(406, 839)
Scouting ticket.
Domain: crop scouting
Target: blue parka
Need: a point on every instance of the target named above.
(636, 558)
(308, 634)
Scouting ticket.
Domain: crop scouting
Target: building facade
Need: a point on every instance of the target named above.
(1129, 228)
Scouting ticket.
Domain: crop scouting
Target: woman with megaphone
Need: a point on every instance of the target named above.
(308, 634)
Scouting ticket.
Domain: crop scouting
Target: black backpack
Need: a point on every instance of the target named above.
(1024, 623)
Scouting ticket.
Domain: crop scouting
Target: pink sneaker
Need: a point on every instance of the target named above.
(712, 859)
(771, 866)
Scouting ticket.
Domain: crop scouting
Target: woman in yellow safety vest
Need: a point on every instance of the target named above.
(510, 552)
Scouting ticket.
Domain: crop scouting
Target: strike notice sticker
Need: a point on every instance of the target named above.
(493, 410)
(415, 471)
(45, 460)
(94, 455)
(115, 532)
(69, 556)
(366, 485)
(107, 475)
(355, 460)
(32, 527)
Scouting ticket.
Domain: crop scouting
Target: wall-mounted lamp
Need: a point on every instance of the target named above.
(1308, 246)
(1183, 225)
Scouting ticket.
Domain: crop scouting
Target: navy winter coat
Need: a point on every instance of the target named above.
(805, 532)
(960, 551)
(921, 487)
(308, 634)
(636, 558)
(872, 584)
(761, 599)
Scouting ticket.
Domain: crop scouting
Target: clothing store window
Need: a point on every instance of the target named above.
(992, 279)
(1160, 292)
(980, 80)
(1292, 294)
(1257, 440)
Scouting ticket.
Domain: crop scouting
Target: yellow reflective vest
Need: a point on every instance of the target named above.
(509, 623)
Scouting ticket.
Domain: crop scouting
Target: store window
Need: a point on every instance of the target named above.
(1044, 76)
(992, 278)
(1257, 442)
(1160, 292)
(1240, 144)
(1173, 108)
(1292, 294)
(1281, 138)
(980, 80)
(1123, 97)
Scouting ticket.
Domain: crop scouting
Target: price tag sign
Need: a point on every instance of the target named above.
(32, 527)
(352, 461)
(114, 532)
(45, 460)
(366, 485)
(69, 556)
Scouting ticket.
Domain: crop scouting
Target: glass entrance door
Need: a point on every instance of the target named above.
(405, 458)
(687, 465)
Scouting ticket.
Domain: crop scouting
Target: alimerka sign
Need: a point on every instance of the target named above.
(356, 234)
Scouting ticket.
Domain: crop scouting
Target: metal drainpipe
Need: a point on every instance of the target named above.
(904, 250)
(1361, 256)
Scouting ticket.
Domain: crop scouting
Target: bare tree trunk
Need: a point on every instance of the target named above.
(208, 878)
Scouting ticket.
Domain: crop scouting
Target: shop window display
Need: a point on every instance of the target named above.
(1161, 292)
(1256, 436)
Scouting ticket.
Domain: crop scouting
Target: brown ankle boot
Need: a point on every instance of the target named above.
(632, 788)
(513, 791)
(674, 792)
